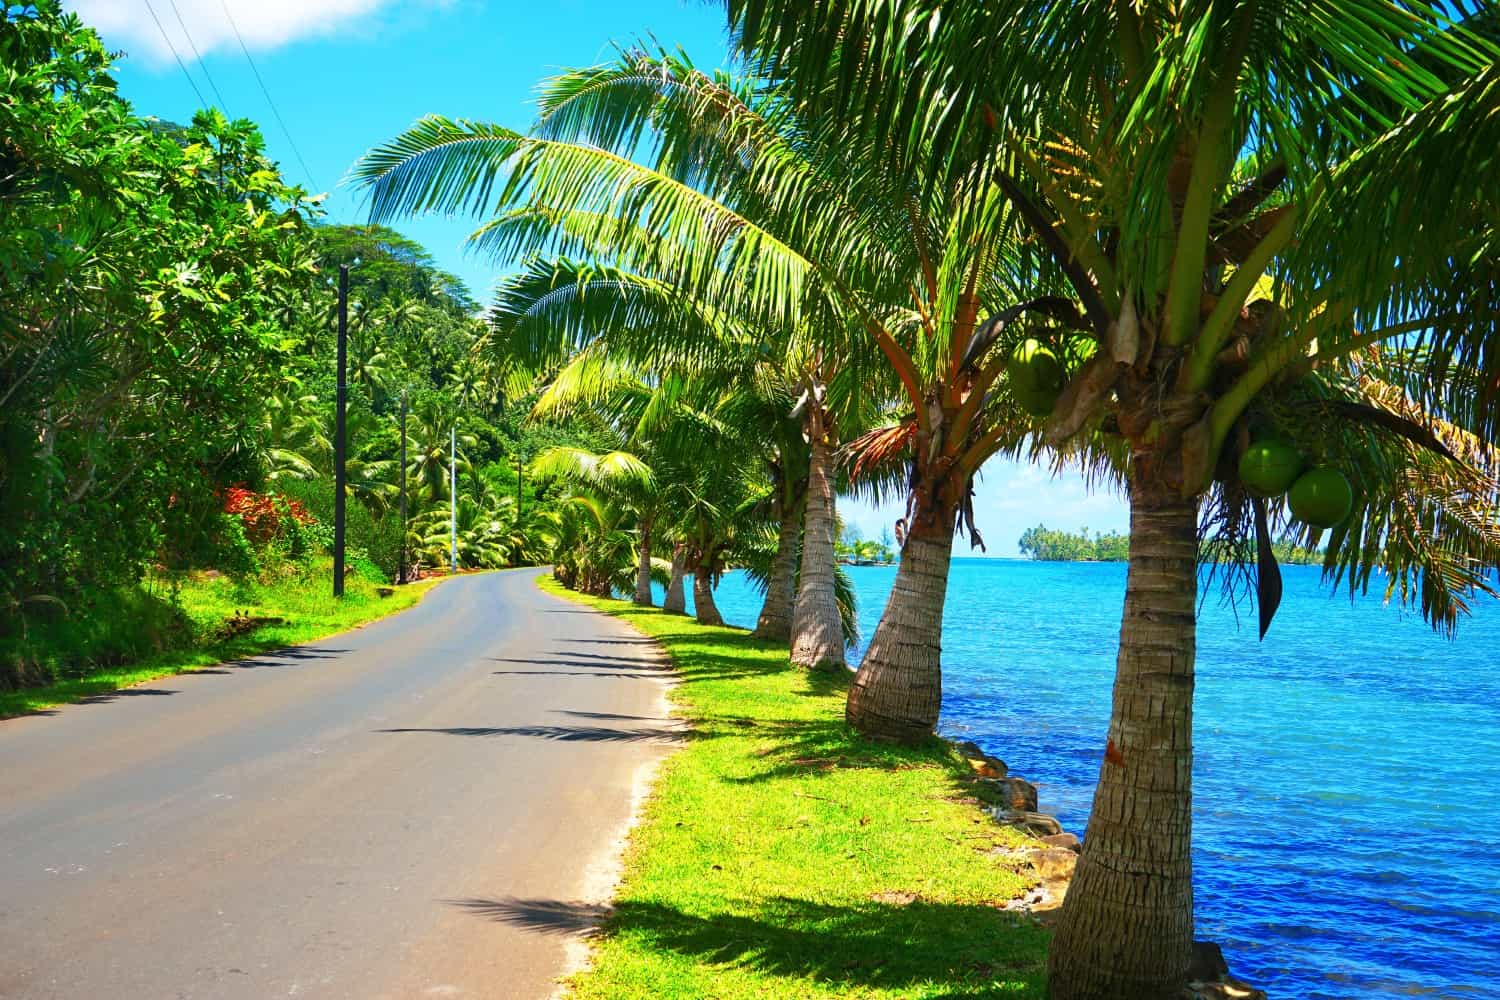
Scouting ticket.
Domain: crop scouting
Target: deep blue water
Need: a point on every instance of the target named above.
(1347, 781)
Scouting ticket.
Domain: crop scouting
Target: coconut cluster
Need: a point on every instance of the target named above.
(1320, 496)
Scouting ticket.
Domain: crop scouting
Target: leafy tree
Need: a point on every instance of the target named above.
(142, 269)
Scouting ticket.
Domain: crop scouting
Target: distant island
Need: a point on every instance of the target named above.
(1045, 544)
(853, 549)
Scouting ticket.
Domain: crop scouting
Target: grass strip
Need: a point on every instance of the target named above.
(303, 601)
(780, 855)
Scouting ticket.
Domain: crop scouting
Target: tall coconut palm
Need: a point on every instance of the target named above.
(431, 443)
(1168, 159)
(618, 320)
(776, 219)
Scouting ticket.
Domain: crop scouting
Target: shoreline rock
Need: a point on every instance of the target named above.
(1011, 800)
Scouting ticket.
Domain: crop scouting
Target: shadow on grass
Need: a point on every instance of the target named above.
(967, 950)
(803, 747)
(697, 655)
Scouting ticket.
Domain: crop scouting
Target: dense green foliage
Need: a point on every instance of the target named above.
(122, 636)
(167, 342)
(143, 267)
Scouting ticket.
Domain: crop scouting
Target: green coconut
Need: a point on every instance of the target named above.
(1036, 377)
(1268, 468)
(1321, 497)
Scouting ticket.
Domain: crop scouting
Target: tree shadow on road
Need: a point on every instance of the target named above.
(562, 734)
(619, 675)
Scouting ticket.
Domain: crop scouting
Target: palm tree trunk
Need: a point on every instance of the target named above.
(898, 692)
(1126, 927)
(643, 569)
(676, 599)
(775, 622)
(817, 630)
(703, 597)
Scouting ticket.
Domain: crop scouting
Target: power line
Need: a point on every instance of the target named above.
(284, 130)
(199, 56)
(202, 102)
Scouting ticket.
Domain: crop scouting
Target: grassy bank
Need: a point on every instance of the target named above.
(780, 856)
(135, 634)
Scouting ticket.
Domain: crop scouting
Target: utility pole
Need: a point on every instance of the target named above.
(401, 569)
(453, 498)
(519, 472)
(341, 400)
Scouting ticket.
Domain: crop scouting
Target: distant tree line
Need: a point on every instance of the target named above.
(1046, 544)
(1052, 545)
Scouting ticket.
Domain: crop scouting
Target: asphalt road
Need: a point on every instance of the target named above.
(391, 812)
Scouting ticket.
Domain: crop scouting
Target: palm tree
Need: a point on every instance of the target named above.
(759, 213)
(616, 320)
(1168, 159)
(621, 477)
(430, 442)
(292, 433)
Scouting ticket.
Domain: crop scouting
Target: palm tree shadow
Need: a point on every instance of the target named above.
(968, 949)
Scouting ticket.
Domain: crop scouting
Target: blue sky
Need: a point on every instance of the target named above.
(346, 74)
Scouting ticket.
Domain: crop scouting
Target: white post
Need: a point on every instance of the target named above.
(453, 499)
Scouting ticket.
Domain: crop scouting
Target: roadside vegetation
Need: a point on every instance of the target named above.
(132, 634)
(167, 385)
(781, 854)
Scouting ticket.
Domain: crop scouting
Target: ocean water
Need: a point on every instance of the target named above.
(1347, 770)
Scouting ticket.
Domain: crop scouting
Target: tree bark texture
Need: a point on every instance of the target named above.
(898, 691)
(703, 598)
(676, 599)
(643, 569)
(1126, 926)
(817, 630)
(775, 622)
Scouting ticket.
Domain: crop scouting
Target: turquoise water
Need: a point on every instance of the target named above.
(1347, 787)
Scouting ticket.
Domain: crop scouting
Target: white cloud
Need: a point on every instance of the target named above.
(264, 24)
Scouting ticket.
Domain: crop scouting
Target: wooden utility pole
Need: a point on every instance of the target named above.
(401, 569)
(453, 498)
(341, 396)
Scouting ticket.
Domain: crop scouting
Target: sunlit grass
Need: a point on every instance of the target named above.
(781, 856)
(304, 600)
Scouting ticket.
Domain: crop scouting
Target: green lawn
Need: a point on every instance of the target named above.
(144, 634)
(780, 856)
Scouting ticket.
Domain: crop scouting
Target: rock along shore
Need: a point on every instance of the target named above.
(1012, 801)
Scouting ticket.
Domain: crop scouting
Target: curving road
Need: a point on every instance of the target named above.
(355, 818)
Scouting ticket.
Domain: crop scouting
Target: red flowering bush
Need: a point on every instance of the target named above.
(263, 514)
